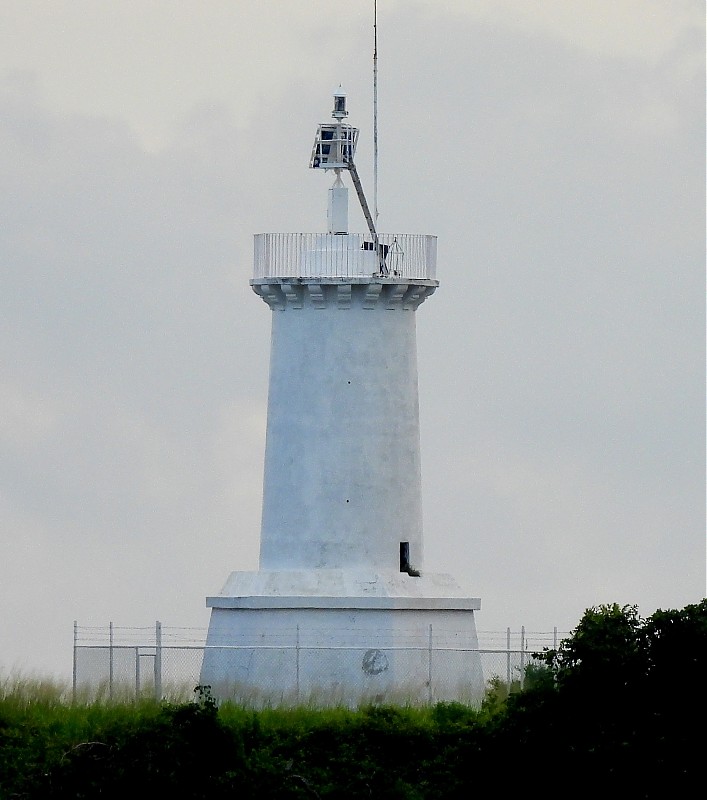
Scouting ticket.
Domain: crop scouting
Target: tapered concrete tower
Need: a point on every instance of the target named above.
(342, 608)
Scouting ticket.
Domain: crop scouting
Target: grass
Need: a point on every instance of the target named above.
(26, 690)
(37, 698)
(55, 745)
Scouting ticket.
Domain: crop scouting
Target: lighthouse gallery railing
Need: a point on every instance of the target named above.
(326, 255)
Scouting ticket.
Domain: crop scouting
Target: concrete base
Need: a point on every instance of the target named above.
(326, 637)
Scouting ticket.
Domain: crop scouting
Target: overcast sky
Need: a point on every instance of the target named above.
(555, 147)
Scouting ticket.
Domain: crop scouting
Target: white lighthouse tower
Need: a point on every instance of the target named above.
(342, 608)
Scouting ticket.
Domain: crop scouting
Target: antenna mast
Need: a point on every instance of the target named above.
(375, 110)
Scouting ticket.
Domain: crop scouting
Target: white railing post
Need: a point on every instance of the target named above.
(74, 665)
(429, 667)
(158, 661)
(110, 660)
(522, 656)
(508, 660)
(297, 655)
(137, 673)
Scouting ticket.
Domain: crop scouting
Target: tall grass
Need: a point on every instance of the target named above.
(55, 745)
(48, 711)
(39, 698)
(22, 690)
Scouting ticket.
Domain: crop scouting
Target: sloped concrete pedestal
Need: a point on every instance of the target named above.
(329, 637)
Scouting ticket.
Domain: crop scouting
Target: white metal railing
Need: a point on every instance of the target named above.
(327, 255)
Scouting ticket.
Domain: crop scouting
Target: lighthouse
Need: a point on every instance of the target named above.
(341, 608)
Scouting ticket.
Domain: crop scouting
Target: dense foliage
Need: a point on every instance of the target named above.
(622, 705)
(618, 708)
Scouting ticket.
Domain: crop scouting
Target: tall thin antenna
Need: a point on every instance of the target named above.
(375, 110)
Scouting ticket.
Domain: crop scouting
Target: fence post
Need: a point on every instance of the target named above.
(137, 673)
(554, 638)
(508, 660)
(429, 668)
(110, 660)
(73, 671)
(522, 656)
(158, 661)
(297, 667)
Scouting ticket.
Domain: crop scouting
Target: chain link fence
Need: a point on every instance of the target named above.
(122, 663)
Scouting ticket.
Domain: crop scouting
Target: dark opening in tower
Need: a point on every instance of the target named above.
(404, 556)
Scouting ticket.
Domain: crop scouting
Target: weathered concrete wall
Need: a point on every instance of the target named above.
(342, 462)
(325, 656)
